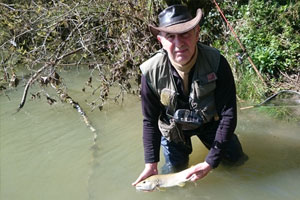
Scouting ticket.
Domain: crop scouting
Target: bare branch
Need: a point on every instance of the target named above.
(30, 81)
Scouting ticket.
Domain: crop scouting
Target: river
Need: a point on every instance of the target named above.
(47, 152)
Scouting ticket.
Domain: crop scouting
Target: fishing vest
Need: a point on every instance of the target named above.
(157, 71)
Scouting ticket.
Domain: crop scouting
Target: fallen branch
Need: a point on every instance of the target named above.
(30, 81)
(33, 78)
(290, 78)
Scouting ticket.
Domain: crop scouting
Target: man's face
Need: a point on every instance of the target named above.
(180, 47)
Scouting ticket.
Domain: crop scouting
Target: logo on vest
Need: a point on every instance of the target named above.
(211, 77)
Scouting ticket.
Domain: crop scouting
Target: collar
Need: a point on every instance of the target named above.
(185, 69)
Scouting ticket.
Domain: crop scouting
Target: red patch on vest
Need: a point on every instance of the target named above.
(211, 77)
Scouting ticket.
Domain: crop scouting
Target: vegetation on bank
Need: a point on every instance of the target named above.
(269, 31)
(111, 39)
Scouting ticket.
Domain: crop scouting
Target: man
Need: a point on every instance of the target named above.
(187, 89)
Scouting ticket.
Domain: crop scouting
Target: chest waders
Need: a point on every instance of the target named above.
(202, 109)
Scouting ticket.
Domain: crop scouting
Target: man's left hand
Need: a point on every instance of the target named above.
(198, 171)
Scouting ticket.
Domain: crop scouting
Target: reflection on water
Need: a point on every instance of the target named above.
(47, 152)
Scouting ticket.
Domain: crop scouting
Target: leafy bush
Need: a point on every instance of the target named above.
(269, 30)
(271, 36)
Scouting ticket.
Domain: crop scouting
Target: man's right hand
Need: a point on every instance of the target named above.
(150, 169)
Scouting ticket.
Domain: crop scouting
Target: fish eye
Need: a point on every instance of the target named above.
(144, 181)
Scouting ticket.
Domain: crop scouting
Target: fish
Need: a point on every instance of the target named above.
(163, 181)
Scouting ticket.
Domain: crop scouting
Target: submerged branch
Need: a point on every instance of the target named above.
(65, 97)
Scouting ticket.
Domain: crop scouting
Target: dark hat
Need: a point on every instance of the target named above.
(176, 19)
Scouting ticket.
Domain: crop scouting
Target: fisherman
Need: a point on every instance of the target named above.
(187, 89)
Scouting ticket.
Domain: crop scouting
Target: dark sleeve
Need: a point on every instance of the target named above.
(151, 109)
(225, 98)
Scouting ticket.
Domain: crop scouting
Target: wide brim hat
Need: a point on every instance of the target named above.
(176, 19)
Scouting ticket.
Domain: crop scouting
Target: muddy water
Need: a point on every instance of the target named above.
(47, 152)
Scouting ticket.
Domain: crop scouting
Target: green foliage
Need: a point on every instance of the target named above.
(250, 87)
(269, 30)
(271, 36)
(280, 113)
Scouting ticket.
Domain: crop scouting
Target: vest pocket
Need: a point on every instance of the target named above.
(167, 96)
(202, 97)
(201, 88)
(170, 130)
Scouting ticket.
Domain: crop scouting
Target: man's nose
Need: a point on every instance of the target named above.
(178, 41)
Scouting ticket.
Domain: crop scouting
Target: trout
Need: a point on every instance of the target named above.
(163, 181)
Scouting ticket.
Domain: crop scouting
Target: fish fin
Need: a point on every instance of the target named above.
(161, 189)
(181, 184)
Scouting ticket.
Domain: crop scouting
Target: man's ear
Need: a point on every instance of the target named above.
(197, 30)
